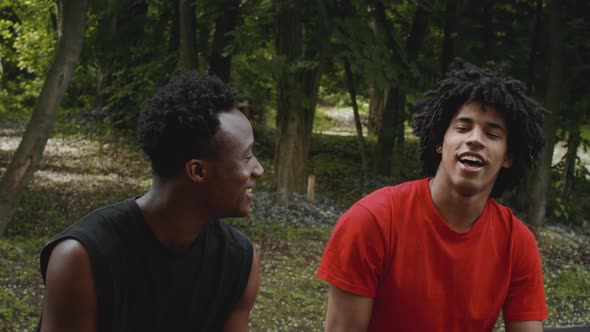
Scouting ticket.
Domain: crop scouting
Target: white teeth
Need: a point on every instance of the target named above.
(249, 191)
(472, 159)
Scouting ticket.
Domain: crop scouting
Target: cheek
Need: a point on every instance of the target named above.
(241, 178)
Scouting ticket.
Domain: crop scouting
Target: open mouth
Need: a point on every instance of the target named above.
(471, 160)
(249, 191)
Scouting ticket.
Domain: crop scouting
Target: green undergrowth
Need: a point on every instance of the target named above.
(80, 173)
(290, 297)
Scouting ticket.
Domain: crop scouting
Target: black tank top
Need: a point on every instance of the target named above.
(142, 285)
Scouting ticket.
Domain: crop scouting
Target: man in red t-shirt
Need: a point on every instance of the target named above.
(439, 254)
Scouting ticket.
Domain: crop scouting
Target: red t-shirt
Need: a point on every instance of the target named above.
(394, 246)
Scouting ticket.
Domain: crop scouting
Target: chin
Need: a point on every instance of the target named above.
(470, 188)
(467, 188)
(244, 212)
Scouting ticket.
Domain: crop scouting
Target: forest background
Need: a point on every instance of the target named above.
(330, 87)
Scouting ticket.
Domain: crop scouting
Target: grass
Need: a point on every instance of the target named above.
(82, 172)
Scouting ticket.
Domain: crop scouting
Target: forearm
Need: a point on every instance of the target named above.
(527, 326)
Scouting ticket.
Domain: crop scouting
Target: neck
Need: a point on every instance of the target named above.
(171, 212)
(458, 210)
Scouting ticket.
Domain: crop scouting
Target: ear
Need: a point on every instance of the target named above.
(195, 170)
(439, 149)
(507, 162)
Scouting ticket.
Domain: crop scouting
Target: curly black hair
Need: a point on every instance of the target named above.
(178, 122)
(465, 83)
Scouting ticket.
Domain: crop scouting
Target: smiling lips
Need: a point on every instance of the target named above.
(471, 160)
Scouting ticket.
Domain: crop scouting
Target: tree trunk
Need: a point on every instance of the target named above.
(571, 155)
(188, 38)
(417, 34)
(203, 42)
(72, 14)
(220, 63)
(130, 24)
(103, 80)
(542, 174)
(174, 42)
(488, 30)
(399, 121)
(290, 121)
(377, 100)
(387, 134)
(391, 133)
(413, 46)
(357, 118)
(518, 198)
(297, 94)
(450, 35)
(536, 40)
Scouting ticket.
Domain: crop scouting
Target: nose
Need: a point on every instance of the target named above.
(476, 138)
(258, 169)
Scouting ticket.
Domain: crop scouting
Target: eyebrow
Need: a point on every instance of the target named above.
(494, 125)
(250, 147)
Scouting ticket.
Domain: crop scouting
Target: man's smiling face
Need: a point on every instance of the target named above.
(474, 149)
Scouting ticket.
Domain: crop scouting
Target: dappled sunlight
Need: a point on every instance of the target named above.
(7, 132)
(81, 180)
(9, 144)
(69, 147)
(82, 158)
(583, 153)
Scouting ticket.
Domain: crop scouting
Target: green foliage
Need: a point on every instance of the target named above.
(128, 53)
(562, 210)
(253, 68)
(27, 44)
(322, 123)
(345, 147)
(573, 282)
(131, 88)
(566, 272)
(332, 166)
(570, 207)
(290, 297)
(19, 293)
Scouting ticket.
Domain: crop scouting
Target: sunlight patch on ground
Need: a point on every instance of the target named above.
(61, 177)
(9, 143)
(54, 147)
(11, 132)
(62, 147)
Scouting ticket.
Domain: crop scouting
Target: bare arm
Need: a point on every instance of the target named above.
(70, 296)
(527, 326)
(239, 318)
(347, 312)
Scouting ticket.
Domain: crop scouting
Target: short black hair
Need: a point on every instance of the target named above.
(178, 122)
(465, 83)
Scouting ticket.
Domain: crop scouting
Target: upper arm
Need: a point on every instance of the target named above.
(70, 296)
(239, 317)
(347, 311)
(527, 326)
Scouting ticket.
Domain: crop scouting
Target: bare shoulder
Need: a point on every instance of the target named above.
(68, 251)
(70, 296)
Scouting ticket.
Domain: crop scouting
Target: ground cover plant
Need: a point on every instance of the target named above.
(80, 172)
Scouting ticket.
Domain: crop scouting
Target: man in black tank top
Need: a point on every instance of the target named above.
(165, 261)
